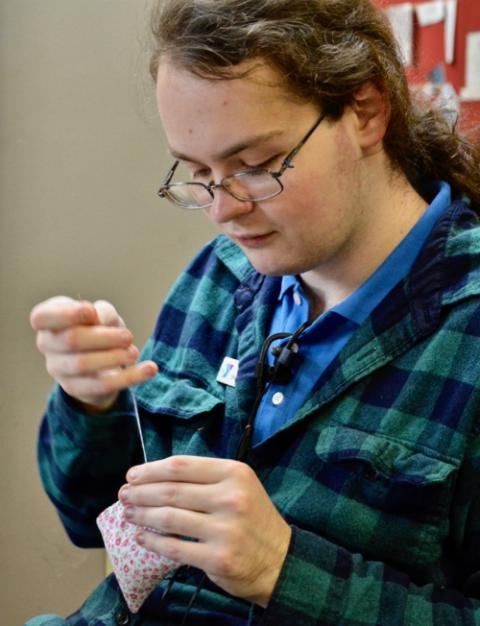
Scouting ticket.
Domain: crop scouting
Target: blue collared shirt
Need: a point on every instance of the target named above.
(320, 343)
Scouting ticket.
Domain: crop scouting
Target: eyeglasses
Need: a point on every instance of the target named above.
(247, 186)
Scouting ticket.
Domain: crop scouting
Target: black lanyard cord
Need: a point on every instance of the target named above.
(265, 376)
(200, 584)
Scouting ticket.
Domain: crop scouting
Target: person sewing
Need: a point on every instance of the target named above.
(310, 393)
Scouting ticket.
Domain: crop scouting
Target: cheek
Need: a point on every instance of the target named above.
(308, 202)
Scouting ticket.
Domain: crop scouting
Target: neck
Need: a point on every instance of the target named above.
(390, 213)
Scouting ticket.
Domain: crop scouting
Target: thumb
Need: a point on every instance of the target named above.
(107, 314)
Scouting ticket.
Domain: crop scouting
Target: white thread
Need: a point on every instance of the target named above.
(140, 433)
(139, 426)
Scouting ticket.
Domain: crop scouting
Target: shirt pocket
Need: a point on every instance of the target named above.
(385, 498)
(180, 412)
(181, 398)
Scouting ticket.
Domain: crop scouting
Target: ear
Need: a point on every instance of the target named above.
(372, 112)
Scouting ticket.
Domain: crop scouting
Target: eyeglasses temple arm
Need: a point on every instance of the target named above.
(167, 179)
(287, 161)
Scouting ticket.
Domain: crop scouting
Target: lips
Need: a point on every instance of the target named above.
(252, 240)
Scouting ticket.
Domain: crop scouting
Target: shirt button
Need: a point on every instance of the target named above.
(278, 398)
(297, 298)
(122, 617)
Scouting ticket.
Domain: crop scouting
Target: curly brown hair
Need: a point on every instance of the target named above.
(324, 50)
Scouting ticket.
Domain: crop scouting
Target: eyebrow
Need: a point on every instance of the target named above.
(250, 142)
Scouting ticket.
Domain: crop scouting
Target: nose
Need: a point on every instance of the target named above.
(226, 207)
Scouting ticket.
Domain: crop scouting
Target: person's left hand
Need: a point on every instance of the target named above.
(242, 540)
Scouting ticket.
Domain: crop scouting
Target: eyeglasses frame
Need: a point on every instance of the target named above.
(286, 164)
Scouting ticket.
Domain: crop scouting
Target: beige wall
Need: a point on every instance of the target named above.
(81, 155)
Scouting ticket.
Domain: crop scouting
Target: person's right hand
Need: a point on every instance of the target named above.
(88, 350)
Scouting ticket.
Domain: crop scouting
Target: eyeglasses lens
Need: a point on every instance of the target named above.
(249, 185)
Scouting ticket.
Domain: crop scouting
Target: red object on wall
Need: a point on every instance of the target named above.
(429, 50)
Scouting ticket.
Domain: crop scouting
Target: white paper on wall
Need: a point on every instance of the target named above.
(429, 13)
(450, 28)
(471, 91)
(401, 19)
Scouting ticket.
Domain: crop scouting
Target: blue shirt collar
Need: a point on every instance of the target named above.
(365, 298)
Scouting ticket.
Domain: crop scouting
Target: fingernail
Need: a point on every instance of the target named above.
(140, 539)
(129, 512)
(132, 475)
(123, 493)
(132, 351)
(87, 313)
(126, 335)
(149, 369)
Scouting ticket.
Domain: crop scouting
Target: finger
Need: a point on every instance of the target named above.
(62, 312)
(171, 521)
(189, 496)
(83, 339)
(195, 553)
(108, 382)
(84, 363)
(107, 313)
(190, 469)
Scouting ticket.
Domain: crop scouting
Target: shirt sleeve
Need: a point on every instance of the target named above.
(322, 583)
(83, 460)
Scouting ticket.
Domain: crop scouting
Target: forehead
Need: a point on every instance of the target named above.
(254, 80)
(199, 109)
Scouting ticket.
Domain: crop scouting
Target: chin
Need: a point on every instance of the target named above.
(270, 268)
(278, 262)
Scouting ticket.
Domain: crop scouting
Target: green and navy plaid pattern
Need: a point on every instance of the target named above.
(378, 474)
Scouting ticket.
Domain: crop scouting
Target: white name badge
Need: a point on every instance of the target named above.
(227, 374)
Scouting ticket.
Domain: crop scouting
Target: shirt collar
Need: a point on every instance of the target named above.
(396, 266)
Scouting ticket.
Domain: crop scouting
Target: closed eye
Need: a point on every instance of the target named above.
(264, 165)
(202, 174)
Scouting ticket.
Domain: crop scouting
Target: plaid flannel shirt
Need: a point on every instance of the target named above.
(378, 474)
